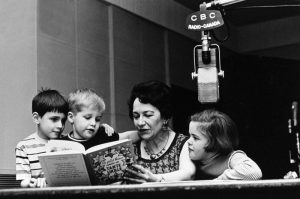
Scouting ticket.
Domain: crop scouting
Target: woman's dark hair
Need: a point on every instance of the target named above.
(220, 130)
(155, 93)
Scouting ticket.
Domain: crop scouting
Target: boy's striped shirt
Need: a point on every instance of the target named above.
(27, 162)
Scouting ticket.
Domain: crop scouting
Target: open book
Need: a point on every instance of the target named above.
(67, 163)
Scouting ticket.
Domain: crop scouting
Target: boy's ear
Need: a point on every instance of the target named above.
(71, 117)
(36, 118)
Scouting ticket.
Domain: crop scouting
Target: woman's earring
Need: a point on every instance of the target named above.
(165, 125)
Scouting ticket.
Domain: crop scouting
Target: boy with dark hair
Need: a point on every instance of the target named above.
(49, 112)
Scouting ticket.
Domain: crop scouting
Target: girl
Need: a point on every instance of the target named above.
(212, 143)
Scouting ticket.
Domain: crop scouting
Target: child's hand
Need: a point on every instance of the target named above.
(291, 175)
(108, 129)
(25, 183)
(34, 182)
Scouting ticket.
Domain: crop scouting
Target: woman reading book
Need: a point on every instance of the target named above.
(162, 154)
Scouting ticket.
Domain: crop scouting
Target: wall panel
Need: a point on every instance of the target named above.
(17, 77)
(139, 56)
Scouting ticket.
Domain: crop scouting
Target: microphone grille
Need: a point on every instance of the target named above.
(208, 92)
(208, 85)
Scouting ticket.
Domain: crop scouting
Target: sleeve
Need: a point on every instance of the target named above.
(241, 167)
(105, 138)
(116, 136)
(22, 163)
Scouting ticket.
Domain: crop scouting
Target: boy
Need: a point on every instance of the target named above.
(85, 112)
(49, 111)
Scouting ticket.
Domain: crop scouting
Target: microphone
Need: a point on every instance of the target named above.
(207, 77)
(295, 111)
(294, 148)
(208, 55)
(295, 126)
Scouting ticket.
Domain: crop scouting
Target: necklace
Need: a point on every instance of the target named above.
(154, 156)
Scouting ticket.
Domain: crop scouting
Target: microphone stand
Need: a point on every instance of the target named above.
(206, 54)
(206, 47)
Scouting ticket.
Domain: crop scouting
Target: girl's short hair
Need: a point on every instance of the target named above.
(220, 130)
(156, 93)
(83, 98)
(49, 100)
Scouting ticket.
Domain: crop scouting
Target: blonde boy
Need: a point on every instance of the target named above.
(86, 109)
(85, 112)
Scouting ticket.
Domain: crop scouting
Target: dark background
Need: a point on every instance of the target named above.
(257, 93)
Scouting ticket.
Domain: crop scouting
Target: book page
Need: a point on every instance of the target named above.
(63, 145)
(64, 169)
(106, 145)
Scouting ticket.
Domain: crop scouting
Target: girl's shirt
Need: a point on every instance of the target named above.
(236, 166)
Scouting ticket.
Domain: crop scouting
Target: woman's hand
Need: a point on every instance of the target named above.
(108, 129)
(141, 175)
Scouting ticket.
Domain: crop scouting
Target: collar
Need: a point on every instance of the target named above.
(74, 139)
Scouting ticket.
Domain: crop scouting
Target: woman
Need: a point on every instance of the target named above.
(162, 153)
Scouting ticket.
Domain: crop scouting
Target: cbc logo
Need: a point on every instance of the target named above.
(204, 16)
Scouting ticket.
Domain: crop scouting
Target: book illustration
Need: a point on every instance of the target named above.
(109, 165)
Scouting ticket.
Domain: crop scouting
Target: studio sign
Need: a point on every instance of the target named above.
(204, 20)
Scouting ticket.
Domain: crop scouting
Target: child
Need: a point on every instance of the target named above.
(49, 112)
(85, 112)
(212, 143)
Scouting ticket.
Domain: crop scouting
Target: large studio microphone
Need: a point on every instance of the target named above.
(206, 55)
(207, 76)
(207, 62)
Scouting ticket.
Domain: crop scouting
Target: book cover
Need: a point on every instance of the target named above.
(66, 163)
